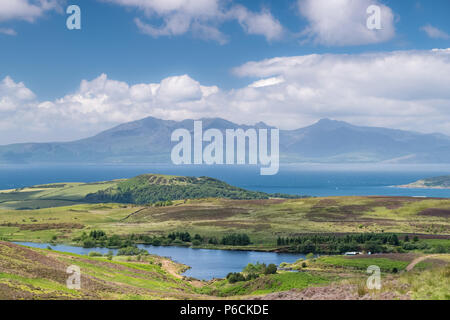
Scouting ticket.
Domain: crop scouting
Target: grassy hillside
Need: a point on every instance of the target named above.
(143, 189)
(339, 277)
(152, 188)
(50, 195)
(41, 274)
(27, 273)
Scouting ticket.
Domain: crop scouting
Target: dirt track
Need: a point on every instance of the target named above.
(419, 260)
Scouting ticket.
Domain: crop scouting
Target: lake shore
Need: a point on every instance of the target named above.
(419, 186)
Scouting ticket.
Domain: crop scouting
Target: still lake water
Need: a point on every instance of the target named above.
(314, 180)
(205, 264)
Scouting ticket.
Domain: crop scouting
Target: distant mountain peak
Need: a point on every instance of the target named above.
(330, 124)
(327, 121)
(326, 141)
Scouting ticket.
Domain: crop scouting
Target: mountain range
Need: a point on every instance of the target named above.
(327, 141)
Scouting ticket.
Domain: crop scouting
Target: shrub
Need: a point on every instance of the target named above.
(156, 242)
(254, 268)
(251, 276)
(440, 249)
(88, 243)
(213, 241)
(235, 277)
(271, 269)
(109, 255)
(309, 256)
(131, 251)
(94, 254)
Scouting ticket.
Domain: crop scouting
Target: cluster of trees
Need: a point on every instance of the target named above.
(131, 251)
(183, 236)
(252, 271)
(260, 268)
(99, 238)
(332, 244)
(236, 239)
(140, 190)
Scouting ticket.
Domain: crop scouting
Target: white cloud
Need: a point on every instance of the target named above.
(344, 22)
(97, 105)
(435, 33)
(28, 10)
(8, 31)
(13, 95)
(402, 89)
(267, 82)
(24, 10)
(262, 23)
(200, 17)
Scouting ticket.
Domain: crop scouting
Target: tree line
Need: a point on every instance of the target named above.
(99, 238)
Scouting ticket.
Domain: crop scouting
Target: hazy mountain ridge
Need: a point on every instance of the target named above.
(327, 141)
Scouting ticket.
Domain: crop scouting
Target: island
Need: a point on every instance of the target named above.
(442, 182)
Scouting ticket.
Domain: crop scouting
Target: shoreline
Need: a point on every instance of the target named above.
(410, 186)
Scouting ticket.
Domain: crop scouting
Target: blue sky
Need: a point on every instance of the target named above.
(52, 60)
(38, 52)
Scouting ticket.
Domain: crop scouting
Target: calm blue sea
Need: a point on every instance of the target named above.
(313, 180)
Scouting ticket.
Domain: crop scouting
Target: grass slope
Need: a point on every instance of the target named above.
(143, 189)
(263, 220)
(152, 188)
(27, 273)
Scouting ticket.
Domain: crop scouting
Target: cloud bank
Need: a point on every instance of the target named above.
(25, 10)
(435, 33)
(401, 89)
(202, 18)
(344, 22)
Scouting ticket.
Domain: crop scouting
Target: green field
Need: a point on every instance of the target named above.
(385, 264)
(263, 220)
(51, 195)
